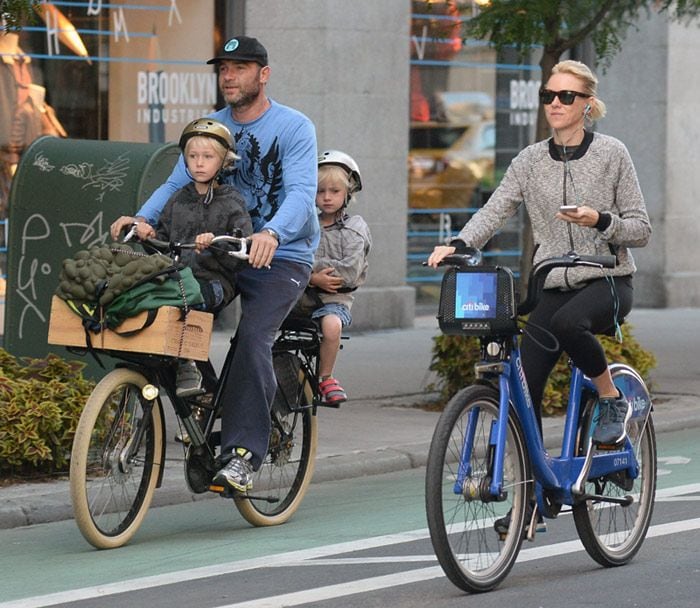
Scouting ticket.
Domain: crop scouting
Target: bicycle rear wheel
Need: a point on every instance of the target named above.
(612, 533)
(461, 516)
(115, 460)
(280, 484)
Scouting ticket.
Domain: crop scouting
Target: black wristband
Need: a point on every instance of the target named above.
(459, 245)
(604, 220)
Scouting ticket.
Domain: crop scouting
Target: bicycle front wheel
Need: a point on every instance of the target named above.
(613, 533)
(461, 513)
(280, 484)
(115, 460)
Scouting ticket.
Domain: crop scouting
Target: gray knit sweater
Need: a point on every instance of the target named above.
(603, 178)
(344, 247)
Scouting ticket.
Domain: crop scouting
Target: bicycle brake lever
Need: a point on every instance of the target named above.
(130, 235)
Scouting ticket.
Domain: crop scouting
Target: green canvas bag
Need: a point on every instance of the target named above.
(108, 284)
(173, 287)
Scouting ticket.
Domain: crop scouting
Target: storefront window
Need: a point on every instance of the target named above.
(97, 70)
(472, 111)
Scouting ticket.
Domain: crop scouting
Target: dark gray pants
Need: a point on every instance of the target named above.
(267, 295)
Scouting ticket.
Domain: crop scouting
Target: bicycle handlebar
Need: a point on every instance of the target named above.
(171, 247)
(539, 272)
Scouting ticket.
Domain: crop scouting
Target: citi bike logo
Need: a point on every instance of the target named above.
(523, 383)
(475, 307)
(639, 405)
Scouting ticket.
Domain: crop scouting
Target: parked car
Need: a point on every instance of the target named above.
(448, 161)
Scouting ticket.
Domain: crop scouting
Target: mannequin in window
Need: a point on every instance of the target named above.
(15, 79)
(24, 116)
(11, 66)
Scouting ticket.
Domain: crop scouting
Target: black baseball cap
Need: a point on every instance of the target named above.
(242, 48)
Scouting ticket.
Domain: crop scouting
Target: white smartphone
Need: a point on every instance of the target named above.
(565, 208)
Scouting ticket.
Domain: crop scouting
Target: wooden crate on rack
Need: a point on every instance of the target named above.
(168, 335)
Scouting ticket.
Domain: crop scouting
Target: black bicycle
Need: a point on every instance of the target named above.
(119, 447)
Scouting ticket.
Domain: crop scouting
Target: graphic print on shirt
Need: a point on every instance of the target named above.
(260, 174)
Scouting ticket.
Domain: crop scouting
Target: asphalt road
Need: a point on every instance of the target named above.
(354, 543)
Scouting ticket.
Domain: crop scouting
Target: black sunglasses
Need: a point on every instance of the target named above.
(566, 97)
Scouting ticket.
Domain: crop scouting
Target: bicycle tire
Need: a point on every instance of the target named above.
(612, 534)
(468, 548)
(281, 482)
(111, 497)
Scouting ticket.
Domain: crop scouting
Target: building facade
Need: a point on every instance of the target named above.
(432, 119)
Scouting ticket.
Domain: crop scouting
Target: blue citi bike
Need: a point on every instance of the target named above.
(487, 459)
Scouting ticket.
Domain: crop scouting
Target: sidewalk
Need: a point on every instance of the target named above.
(382, 429)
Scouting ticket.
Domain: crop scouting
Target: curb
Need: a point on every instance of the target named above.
(37, 503)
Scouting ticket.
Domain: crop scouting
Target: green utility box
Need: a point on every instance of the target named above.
(64, 196)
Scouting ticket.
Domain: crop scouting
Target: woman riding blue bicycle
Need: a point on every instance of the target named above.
(581, 193)
(583, 198)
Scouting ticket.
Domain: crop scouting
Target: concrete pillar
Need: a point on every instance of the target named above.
(654, 108)
(346, 66)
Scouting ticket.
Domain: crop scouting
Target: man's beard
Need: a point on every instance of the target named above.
(245, 100)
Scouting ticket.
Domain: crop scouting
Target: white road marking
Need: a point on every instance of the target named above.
(673, 460)
(670, 460)
(316, 554)
(679, 499)
(376, 583)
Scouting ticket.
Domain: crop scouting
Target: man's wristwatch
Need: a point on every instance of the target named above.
(271, 232)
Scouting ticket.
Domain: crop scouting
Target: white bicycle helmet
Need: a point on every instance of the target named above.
(336, 157)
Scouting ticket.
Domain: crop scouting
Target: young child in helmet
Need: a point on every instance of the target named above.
(340, 262)
(197, 213)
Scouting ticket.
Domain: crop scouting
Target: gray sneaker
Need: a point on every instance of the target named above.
(188, 380)
(237, 473)
(611, 421)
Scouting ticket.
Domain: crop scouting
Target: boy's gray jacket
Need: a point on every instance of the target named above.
(603, 179)
(344, 246)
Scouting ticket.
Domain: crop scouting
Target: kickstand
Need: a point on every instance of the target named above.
(532, 524)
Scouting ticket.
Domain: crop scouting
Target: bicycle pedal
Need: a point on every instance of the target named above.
(203, 400)
(540, 527)
(226, 492)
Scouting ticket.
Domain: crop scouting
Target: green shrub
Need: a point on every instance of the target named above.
(40, 403)
(454, 358)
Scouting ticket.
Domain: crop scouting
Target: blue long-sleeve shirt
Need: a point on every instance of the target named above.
(277, 176)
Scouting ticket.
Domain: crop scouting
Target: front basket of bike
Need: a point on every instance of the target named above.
(478, 301)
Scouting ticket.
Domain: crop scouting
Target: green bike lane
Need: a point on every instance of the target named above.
(52, 558)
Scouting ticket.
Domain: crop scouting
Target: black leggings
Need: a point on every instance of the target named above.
(573, 317)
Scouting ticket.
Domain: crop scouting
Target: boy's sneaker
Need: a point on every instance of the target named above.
(188, 380)
(331, 392)
(237, 473)
(611, 421)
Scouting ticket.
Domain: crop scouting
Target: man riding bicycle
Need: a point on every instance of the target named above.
(277, 177)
